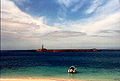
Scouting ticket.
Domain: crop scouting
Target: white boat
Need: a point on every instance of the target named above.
(72, 69)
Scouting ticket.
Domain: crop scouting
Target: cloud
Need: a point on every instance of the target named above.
(105, 17)
(94, 5)
(77, 7)
(65, 6)
(56, 35)
(64, 34)
(110, 31)
(102, 28)
(92, 27)
(20, 24)
(103, 8)
(62, 13)
(67, 3)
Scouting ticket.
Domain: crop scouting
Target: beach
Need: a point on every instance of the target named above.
(50, 79)
(36, 79)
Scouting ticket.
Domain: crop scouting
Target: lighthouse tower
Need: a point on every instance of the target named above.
(42, 46)
(43, 49)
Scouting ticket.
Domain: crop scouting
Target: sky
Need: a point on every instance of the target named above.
(27, 24)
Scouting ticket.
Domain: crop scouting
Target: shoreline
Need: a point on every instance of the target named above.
(48, 79)
(36, 79)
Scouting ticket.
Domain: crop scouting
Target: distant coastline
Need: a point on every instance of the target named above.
(65, 50)
(43, 49)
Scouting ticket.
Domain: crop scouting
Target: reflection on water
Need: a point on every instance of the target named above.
(72, 75)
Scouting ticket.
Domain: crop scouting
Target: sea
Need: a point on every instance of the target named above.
(102, 65)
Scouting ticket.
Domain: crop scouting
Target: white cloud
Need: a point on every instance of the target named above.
(106, 23)
(106, 17)
(14, 20)
(67, 3)
(95, 4)
(92, 26)
(19, 26)
(77, 7)
(65, 34)
(62, 13)
(109, 7)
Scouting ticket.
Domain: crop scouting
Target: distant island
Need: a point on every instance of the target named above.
(66, 50)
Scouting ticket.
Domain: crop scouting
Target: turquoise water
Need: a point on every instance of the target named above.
(105, 66)
(61, 72)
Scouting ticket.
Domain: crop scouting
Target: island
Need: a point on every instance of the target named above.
(65, 50)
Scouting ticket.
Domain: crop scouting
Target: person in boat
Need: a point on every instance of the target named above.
(72, 69)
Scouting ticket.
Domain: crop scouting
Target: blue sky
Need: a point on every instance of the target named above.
(59, 10)
(27, 24)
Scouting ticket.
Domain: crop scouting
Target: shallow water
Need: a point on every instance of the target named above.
(90, 65)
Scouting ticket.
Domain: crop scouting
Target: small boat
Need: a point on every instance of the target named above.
(72, 69)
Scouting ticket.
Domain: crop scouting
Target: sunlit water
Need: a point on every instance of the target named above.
(90, 65)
